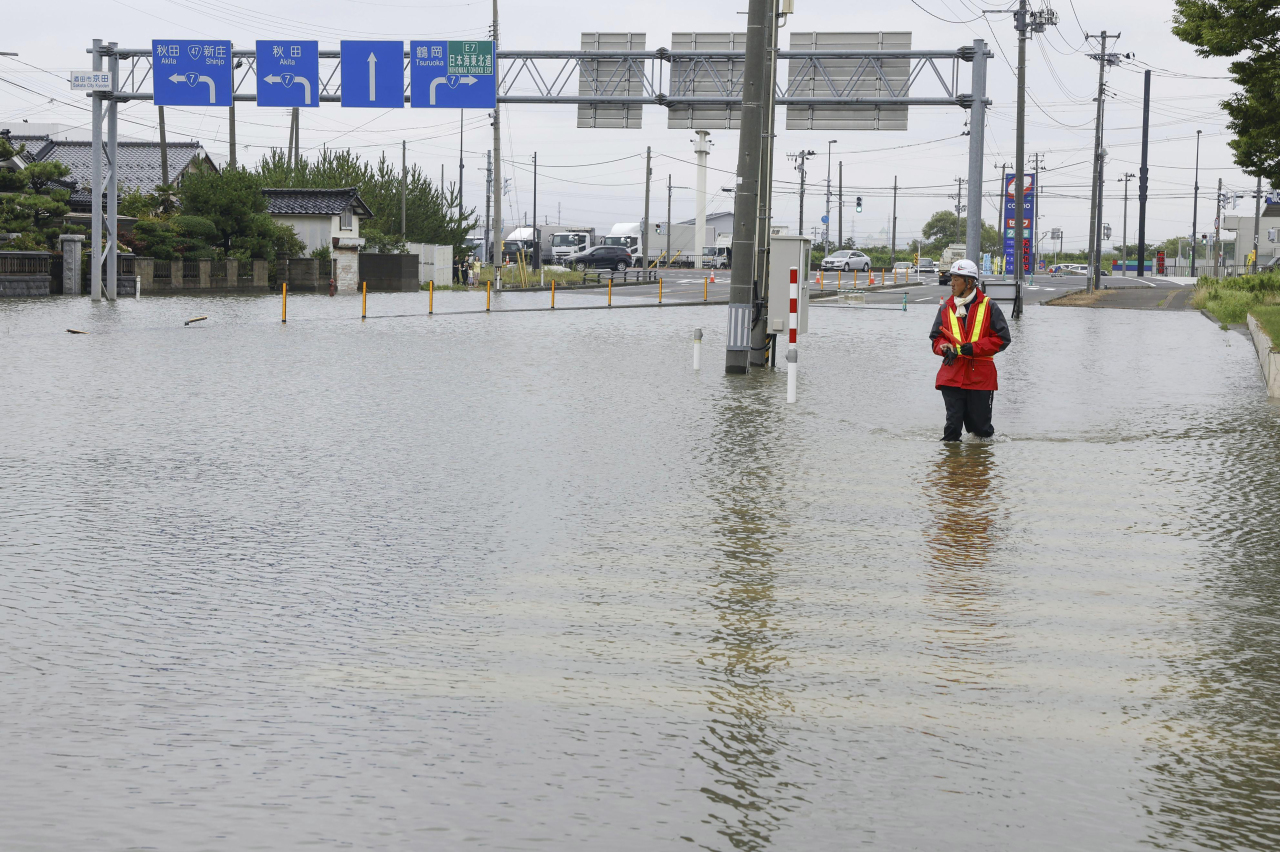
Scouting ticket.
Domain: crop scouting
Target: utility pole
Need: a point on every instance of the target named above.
(1195, 208)
(487, 250)
(1142, 178)
(644, 226)
(893, 232)
(743, 283)
(826, 222)
(1035, 215)
(959, 209)
(537, 240)
(668, 252)
(1095, 191)
(701, 150)
(164, 151)
(497, 163)
(977, 131)
(1124, 227)
(800, 159)
(764, 196)
(840, 209)
(461, 114)
(1257, 223)
(404, 189)
(1217, 230)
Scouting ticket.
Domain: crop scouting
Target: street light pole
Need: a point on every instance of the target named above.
(826, 223)
(1195, 207)
(1124, 227)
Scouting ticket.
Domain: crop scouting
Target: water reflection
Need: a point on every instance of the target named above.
(962, 598)
(741, 746)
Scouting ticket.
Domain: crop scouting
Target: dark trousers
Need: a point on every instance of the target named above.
(970, 409)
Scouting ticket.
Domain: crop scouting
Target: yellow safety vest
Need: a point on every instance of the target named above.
(979, 319)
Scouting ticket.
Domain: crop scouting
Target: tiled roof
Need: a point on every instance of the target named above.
(315, 202)
(139, 165)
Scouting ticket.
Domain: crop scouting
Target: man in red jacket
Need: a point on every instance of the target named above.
(968, 331)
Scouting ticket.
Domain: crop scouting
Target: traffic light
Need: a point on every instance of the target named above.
(858, 205)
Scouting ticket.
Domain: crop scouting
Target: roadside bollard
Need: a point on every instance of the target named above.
(704, 288)
(553, 294)
(697, 349)
(488, 292)
(792, 356)
(431, 296)
(839, 279)
(611, 292)
(855, 278)
(659, 291)
(822, 285)
(137, 287)
(364, 300)
(284, 302)
(904, 301)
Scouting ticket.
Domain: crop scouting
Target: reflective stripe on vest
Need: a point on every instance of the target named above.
(980, 317)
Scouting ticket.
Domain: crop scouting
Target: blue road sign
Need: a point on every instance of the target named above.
(191, 73)
(288, 73)
(826, 220)
(452, 75)
(373, 74)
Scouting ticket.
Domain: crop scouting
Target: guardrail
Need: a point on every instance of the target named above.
(633, 275)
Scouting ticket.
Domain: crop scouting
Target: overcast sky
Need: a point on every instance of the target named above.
(926, 158)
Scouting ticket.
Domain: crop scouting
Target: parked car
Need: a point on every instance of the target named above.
(904, 266)
(601, 257)
(847, 261)
(926, 264)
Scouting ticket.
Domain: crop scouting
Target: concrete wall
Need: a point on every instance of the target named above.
(166, 276)
(24, 285)
(1269, 360)
(435, 263)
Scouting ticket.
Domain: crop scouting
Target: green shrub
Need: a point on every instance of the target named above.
(1269, 318)
(1231, 299)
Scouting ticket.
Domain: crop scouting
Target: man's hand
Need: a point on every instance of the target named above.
(966, 349)
(948, 355)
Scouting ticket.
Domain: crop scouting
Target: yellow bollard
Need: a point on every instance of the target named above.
(488, 290)
(284, 302)
(659, 291)
(839, 278)
(822, 281)
(855, 278)
(553, 294)
(364, 300)
(611, 292)
(431, 296)
(704, 288)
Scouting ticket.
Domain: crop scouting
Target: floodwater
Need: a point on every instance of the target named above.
(527, 581)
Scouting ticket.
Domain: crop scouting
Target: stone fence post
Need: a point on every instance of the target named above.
(71, 268)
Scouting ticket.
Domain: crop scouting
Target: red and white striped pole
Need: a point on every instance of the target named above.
(792, 356)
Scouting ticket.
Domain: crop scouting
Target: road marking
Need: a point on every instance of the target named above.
(926, 299)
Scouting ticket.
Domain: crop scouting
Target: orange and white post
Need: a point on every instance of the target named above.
(792, 356)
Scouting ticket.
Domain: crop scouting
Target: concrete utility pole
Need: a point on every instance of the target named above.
(1217, 230)
(1035, 215)
(893, 231)
(297, 136)
(404, 188)
(701, 149)
(537, 241)
(644, 226)
(164, 150)
(743, 282)
(1019, 188)
(497, 164)
(1195, 208)
(800, 159)
(1257, 223)
(461, 114)
(667, 254)
(1095, 191)
(764, 198)
(826, 222)
(1142, 177)
(1124, 227)
(959, 209)
(487, 250)
(231, 140)
(840, 208)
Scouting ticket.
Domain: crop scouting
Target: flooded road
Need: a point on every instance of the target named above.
(527, 581)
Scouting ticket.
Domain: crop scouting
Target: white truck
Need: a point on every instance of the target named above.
(629, 235)
(718, 256)
(570, 241)
(682, 240)
(522, 241)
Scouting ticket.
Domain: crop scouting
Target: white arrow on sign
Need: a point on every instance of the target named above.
(306, 85)
(192, 80)
(468, 80)
(373, 77)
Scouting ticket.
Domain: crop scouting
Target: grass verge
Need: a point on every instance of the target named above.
(1230, 300)
(1269, 318)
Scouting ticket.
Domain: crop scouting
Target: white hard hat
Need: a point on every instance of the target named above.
(965, 267)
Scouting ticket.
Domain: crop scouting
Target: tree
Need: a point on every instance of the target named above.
(431, 213)
(33, 201)
(1248, 29)
(941, 230)
(233, 203)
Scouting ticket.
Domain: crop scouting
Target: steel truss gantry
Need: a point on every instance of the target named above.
(663, 77)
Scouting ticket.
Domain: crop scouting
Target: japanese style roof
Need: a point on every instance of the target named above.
(139, 165)
(315, 202)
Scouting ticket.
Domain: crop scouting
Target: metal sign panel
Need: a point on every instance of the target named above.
(288, 73)
(620, 77)
(707, 76)
(373, 74)
(848, 78)
(1011, 219)
(191, 73)
(90, 81)
(452, 75)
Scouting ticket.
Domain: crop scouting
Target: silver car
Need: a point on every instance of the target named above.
(846, 260)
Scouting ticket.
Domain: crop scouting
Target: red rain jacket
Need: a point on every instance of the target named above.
(977, 372)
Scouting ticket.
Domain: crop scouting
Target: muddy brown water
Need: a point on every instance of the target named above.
(527, 581)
